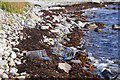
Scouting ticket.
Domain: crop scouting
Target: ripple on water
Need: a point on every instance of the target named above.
(106, 55)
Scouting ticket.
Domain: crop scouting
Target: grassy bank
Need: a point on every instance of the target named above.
(15, 7)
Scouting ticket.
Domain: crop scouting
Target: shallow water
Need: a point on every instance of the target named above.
(106, 52)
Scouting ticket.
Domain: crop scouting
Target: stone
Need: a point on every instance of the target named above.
(11, 63)
(22, 22)
(23, 73)
(13, 55)
(13, 70)
(4, 75)
(115, 27)
(3, 62)
(33, 16)
(16, 50)
(0, 58)
(65, 66)
(44, 27)
(17, 62)
(106, 74)
(6, 53)
(1, 71)
(21, 77)
(76, 61)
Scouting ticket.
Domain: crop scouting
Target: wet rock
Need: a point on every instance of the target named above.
(96, 30)
(106, 74)
(115, 27)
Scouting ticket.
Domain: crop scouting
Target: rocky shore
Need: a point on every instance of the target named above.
(40, 29)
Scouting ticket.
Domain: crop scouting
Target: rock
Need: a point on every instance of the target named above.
(3, 62)
(76, 61)
(33, 16)
(22, 22)
(107, 74)
(6, 53)
(16, 50)
(115, 27)
(44, 27)
(95, 1)
(13, 70)
(56, 30)
(56, 8)
(23, 73)
(65, 66)
(21, 77)
(92, 26)
(4, 75)
(96, 30)
(0, 58)
(17, 62)
(13, 55)
(11, 63)
(80, 24)
(1, 71)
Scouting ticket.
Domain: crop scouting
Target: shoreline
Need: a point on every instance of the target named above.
(48, 26)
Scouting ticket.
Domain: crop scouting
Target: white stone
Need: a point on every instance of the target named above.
(13, 55)
(76, 61)
(3, 62)
(4, 75)
(21, 77)
(6, 53)
(44, 27)
(17, 62)
(1, 71)
(16, 49)
(22, 22)
(56, 30)
(66, 67)
(12, 63)
(0, 58)
(23, 73)
(13, 70)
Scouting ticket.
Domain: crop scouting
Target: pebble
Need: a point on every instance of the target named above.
(13, 70)
(12, 63)
(44, 27)
(17, 62)
(13, 55)
(66, 67)
(21, 77)
(4, 75)
(16, 50)
(76, 61)
(3, 62)
(1, 71)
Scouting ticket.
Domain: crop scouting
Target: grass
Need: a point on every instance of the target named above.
(15, 7)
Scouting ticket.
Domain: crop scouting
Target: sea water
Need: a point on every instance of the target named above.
(106, 54)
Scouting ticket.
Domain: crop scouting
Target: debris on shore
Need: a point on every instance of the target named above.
(36, 33)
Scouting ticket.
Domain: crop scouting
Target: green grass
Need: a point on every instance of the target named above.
(15, 7)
